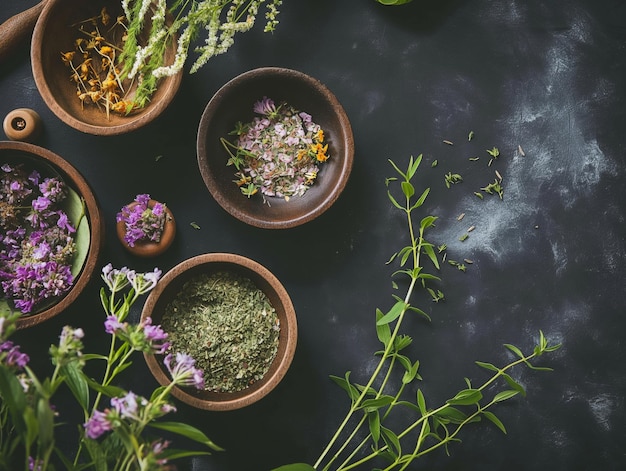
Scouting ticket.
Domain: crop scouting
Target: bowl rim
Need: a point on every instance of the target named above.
(96, 223)
(240, 399)
(210, 113)
(149, 114)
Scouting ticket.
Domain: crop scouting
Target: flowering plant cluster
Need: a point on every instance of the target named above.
(219, 19)
(143, 221)
(278, 153)
(36, 238)
(116, 431)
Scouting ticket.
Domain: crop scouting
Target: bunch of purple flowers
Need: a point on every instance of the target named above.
(142, 221)
(120, 435)
(36, 238)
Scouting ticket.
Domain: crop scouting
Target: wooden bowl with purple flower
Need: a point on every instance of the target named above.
(51, 233)
(275, 147)
(146, 227)
(230, 322)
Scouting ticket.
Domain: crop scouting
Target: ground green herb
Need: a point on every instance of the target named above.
(228, 325)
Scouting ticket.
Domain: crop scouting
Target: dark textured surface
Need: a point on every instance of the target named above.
(546, 75)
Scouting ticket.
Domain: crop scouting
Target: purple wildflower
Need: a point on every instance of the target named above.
(112, 325)
(183, 371)
(128, 405)
(144, 282)
(34, 465)
(115, 279)
(155, 334)
(11, 356)
(97, 425)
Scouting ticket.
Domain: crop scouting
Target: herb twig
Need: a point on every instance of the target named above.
(432, 427)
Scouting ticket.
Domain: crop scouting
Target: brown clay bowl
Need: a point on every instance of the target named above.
(172, 283)
(233, 102)
(92, 231)
(54, 34)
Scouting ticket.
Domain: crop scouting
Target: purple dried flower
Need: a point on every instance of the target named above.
(266, 106)
(53, 189)
(41, 203)
(141, 222)
(37, 248)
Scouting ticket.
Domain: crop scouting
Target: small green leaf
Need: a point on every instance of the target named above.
(373, 419)
(452, 414)
(75, 380)
(391, 440)
(382, 330)
(401, 342)
(393, 201)
(371, 405)
(466, 397)
(344, 383)
(45, 419)
(421, 199)
(419, 311)
(408, 189)
(514, 384)
(411, 373)
(487, 366)
(504, 395)
(398, 308)
(397, 169)
(427, 222)
(413, 166)
(430, 251)
(187, 431)
(515, 350)
(495, 420)
(421, 402)
(295, 467)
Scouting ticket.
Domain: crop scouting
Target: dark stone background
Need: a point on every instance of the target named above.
(545, 75)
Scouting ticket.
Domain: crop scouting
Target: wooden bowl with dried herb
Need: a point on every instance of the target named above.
(76, 55)
(275, 147)
(234, 318)
(51, 233)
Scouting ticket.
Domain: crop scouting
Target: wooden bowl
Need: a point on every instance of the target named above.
(234, 102)
(46, 161)
(54, 34)
(171, 284)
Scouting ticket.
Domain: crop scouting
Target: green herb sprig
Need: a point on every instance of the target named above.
(434, 426)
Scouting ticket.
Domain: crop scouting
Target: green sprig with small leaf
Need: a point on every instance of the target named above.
(364, 436)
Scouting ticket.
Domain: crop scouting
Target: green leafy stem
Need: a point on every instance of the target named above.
(362, 435)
